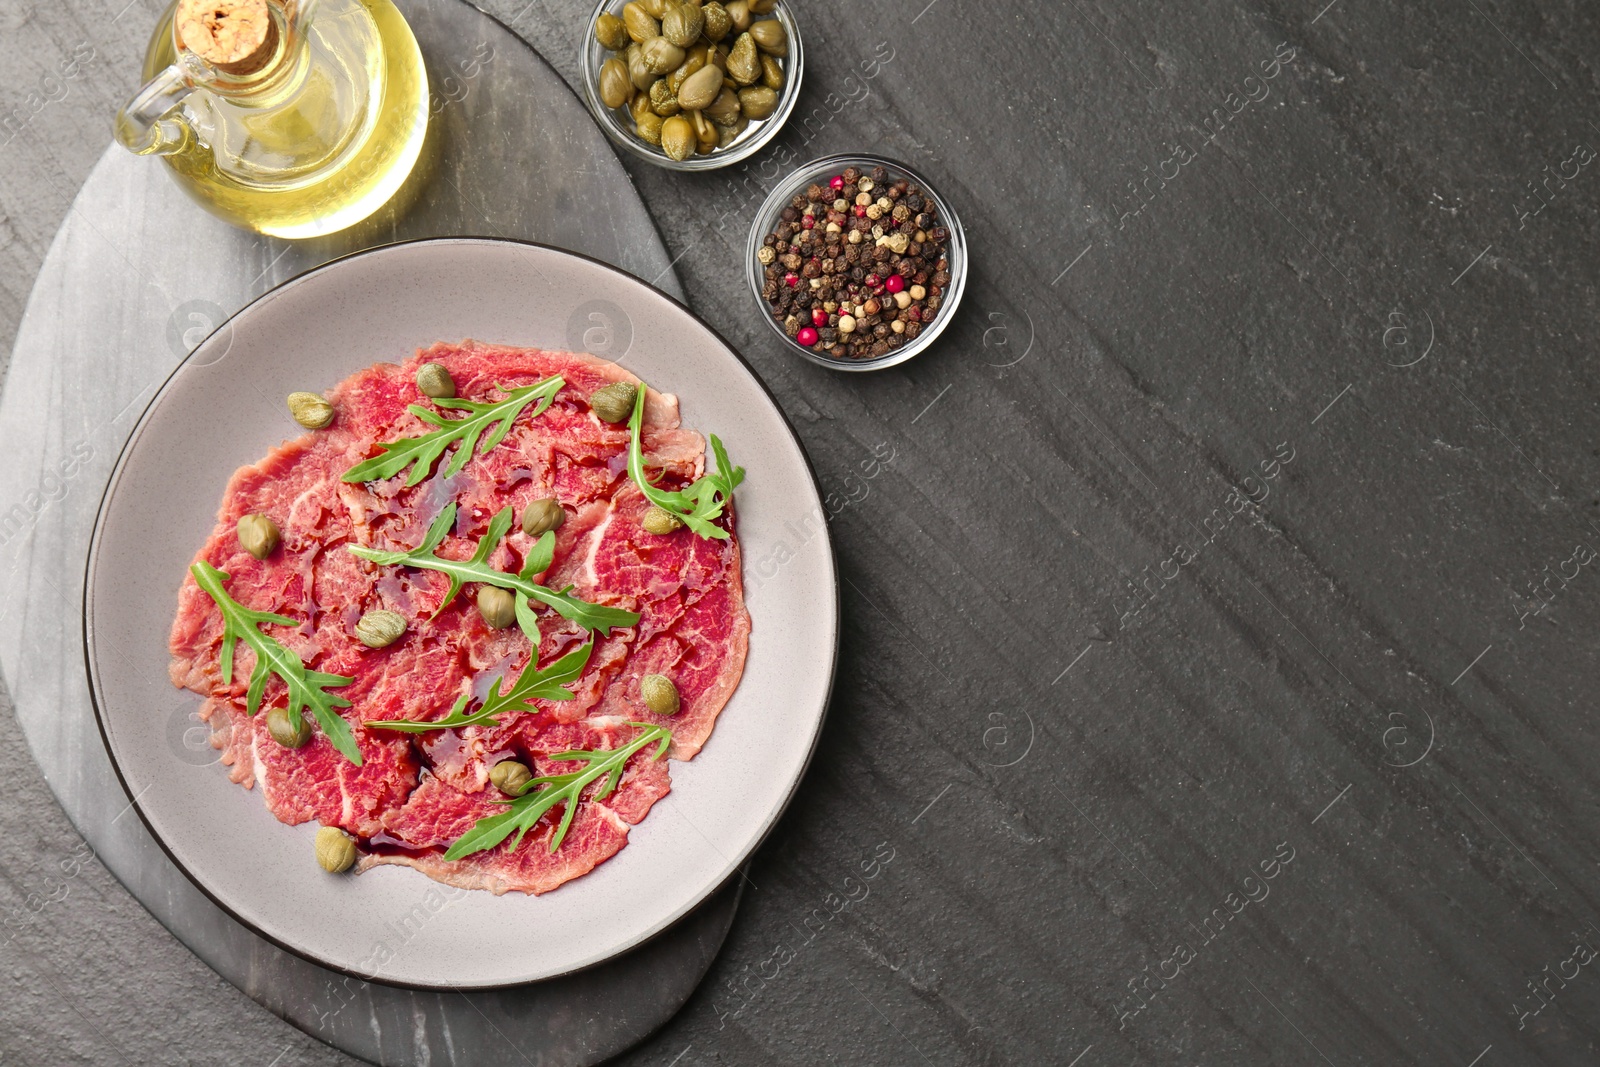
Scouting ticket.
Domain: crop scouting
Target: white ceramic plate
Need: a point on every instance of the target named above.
(224, 408)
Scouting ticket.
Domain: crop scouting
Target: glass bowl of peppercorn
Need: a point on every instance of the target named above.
(646, 83)
(856, 262)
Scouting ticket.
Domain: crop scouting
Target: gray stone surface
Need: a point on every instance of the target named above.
(1073, 787)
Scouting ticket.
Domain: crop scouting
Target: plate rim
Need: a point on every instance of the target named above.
(733, 866)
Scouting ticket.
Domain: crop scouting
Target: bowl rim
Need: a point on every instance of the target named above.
(766, 216)
(591, 51)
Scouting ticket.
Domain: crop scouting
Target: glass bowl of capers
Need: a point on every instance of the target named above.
(856, 262)
(646, 61)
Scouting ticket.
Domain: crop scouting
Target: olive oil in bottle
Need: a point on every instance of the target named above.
(295, 118)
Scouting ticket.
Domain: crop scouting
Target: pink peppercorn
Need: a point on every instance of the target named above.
(807, 336)
(837, 182)
(819, 317)
(809, 222)
(895, 283)
(873, 281)
(791, 280)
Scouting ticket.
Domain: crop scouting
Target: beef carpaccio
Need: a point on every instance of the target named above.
(415, 793)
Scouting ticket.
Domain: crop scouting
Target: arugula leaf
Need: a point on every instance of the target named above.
(306, 688)
(592, 617)
(526, 810)
(701, 503)
(534, 684)
(395, 456)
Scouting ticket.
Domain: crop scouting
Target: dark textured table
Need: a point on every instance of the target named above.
(1218, 593)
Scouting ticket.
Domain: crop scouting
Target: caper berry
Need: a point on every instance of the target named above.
(726, 135)
(511, 777)
(700, 88)
(682, 24)
(639, 106)
(284, 732)
(744, 66)
(724, 110)
(497, 606)
(662, 102)
(771, 72)
(380, 628)
(717, 21)
(638, 73)
(705, 131)
(661, 56)
(677, 137)
(648, 127)
(615, 86)
(336, 850)
(770, 37)
(660, 521)
(310, 410)
(757, 101)
(639, 23)
(614, 403)
(660, 695)
(433, 380)
(542, 516)
(693, 61)
(258, 535)
(611, 32)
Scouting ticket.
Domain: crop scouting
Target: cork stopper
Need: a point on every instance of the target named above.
(234, 36)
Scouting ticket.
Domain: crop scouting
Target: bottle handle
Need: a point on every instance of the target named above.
(151, 123)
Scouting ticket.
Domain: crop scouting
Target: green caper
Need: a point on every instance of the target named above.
(705, 131)
(770, 37)
(700, 88)
(649, 129)
(284, 732)
(336, 850)
(638, 73)
(757, 102)
(763, 7)
(511, 777)
(771, 72)
(310, 410)
(660, 695)
(660, 521)
(661, 56)
(639, 23)
(682, 24)
(542, 516)
(614, 403)
(497, 606)
(258, 535)
(662, 100)
(433, 380)
(656, 8)
(718, 23)
(677, 137)
(724, 110)
(380, 628)
(611, 32)
(726, 135)
(692, 61)
(639, 106)
(744, 66)
(615, 85)
(739, 15)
